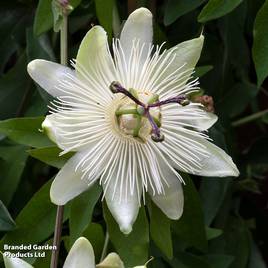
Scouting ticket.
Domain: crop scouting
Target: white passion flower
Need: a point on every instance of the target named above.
(127, 117)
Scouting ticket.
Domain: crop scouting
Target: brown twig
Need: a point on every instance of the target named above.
(57, 236)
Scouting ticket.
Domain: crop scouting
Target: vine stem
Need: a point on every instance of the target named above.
(64, 41)
(57, 236)
(105, 247)
(249, 118)
(60, 209)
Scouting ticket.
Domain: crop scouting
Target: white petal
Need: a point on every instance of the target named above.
(112, 260)
(68, 183)
(206, 123)
(218, 164)
(16, 263)
(192, 153)
(48, 74)
(187, 54)
(171, 202)
(49, 128)
(139, 26)
(80, 255)
(94, 62)
(203, 122)
(74, 132)
(122, 189)
(125, 211)
(191, 116)
(175, 68)
(124, 207)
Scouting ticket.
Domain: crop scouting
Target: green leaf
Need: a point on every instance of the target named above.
(160, 231)
(177, 8)
(82, 208)
(257, 153)
(237, 241)
(44, 262)
(236, 55)
(213, 190)
(94, 233)
(219, 261)
(39, 48)
(242, 91)
(256, 259)
(50, 156)
(36, 221)
(15, 18)
(186, 260)
(202, 70)
(248, 184)
(6, 221)
(265, 118)
(59, 12)
(213, 233)
(25, 131)
(104, 10)
(133, 249)
(192, 232)
(13, 87)
(217, 8)
(260, 43)
(43, 20)
(11, 170)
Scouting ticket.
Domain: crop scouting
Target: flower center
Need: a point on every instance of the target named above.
(132, 118)
(139, 113)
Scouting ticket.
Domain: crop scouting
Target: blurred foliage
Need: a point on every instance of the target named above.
(224, 224)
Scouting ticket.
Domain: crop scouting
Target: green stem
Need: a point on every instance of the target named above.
(64, 41)
(60, 209)
(25, 100)
(105, 247)
(249, 118)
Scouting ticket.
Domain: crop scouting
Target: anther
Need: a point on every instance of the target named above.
(157, 138)
(114, 87)
(185, 102)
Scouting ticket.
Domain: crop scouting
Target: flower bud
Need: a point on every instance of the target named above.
(112, 260)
